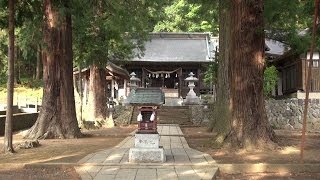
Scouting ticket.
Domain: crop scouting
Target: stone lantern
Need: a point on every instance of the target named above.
(133, 81)
(191, 97)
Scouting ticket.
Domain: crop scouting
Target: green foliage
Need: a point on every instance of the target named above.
(31, 83)
(210, 75)
(270, 79)
(110, 30)
(189, 16)
(3, 55)
(290, 22)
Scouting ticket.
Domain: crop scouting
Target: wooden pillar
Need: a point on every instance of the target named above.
(180, 82)
(112, 88)
(125, 87)
(199, 83)
(143, 78)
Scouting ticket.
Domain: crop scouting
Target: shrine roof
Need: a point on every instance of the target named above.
(146, 97)
(178, 47)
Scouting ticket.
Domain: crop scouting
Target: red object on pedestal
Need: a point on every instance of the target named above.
(147, 122)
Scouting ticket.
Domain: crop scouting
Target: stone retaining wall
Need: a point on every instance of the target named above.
(282, 114)
(199, 114)
(20, 121)
(287, 113)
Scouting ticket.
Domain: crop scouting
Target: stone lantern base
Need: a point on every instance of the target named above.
(147, 149)
(191, 99)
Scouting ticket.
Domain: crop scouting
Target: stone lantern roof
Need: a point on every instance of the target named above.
(146, 97)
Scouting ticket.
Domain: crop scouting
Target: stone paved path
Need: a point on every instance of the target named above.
(182, 161)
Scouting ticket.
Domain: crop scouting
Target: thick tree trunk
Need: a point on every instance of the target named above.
(57, 118)
(221, 111)
(97, 97)
(249, 123)
(9, 114)
(39, 59)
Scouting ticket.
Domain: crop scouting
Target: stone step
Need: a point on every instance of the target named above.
(170, 115)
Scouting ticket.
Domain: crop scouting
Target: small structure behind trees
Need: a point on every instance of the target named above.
(115, 80)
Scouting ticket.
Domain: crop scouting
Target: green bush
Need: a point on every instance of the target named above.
(270, 80)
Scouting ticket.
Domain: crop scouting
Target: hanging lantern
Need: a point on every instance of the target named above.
(166, 76)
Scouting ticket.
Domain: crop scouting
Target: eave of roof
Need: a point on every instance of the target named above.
(146, 97)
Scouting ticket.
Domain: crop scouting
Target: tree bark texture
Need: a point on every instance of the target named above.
(249, 124)
(97, 96)
(221, 111)
(9, 113)
(57, 118)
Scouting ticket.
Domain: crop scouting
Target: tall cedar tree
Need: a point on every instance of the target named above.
(57, 118)
(246, 124)
(9, 114)
(97, 86)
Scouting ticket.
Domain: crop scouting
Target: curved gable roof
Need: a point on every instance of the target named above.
(177, 47)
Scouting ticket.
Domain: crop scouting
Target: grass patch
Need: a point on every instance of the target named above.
(22, 94)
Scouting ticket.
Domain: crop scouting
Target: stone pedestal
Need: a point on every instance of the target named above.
(147, 149)
(192, 98)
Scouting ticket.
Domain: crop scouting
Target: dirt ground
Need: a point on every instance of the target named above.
(287, 153)
(72, 150)
(57, 150)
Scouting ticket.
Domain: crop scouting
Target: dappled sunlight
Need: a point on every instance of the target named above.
(261, 167)
(290, 150)
(220, 153)
(253, 157)
(187, 172)
(53, 158)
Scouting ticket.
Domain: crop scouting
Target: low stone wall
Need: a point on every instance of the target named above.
(20, 121)
(15, 109)
(199, 114)
(282, 114)
(287, 113)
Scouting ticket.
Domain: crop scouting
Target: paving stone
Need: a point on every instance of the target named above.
(86, 158)
(198, 161)
(126, 174)
(83, 173)
(184, 170)
(176, 150)
(148, 173)
(104, 177)
(189, 177)
(166, 174)
(85, 176)
(93, 170)
(111, 170)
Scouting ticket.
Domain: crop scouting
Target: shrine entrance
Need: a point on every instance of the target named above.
(162, 79)
(168, 81)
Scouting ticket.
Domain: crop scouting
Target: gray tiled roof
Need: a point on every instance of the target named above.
(275, 47)
(146, 96)
(177, 47)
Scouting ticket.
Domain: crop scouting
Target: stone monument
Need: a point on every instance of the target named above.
(191, 98)
(146, 142)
